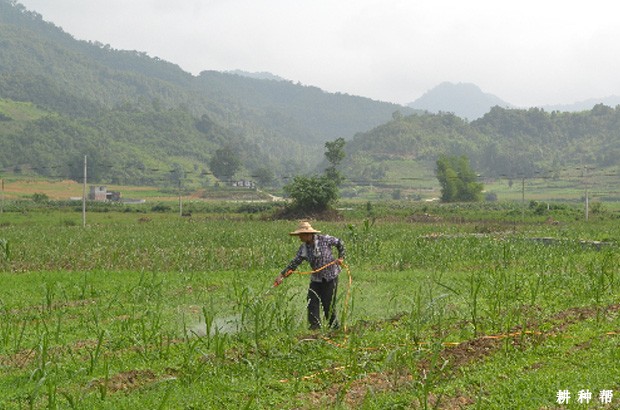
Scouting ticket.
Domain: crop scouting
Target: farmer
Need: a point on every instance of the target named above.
(317, 250)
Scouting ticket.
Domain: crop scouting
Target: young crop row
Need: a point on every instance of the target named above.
(180, 313)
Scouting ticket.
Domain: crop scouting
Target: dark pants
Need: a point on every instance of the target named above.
(322, 294)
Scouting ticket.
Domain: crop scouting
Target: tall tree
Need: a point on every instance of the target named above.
(459, 182)
(264, 176)
(318, 193)
(225, 162)
(334, 154)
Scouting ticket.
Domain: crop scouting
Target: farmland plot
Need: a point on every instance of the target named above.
(168, 312)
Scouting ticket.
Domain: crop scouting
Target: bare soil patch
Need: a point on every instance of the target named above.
(127, 381)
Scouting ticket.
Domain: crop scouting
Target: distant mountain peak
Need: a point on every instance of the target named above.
(586, 105)
(465, 100)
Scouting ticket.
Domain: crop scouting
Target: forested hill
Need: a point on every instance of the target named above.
(43, 64)
(135, 112)
(508, 142)
(302, 113)
(131, 114)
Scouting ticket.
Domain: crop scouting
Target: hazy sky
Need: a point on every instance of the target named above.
(527, 52)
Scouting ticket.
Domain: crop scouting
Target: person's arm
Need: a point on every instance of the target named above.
(339, 244)
(290, 268)
(341, 249)
(280, 278)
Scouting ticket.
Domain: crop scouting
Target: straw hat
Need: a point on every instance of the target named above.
(304, 227)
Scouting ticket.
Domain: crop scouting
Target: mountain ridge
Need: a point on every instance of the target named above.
(468, 101)
(584, 105)
(132, 114)
(268, 123)
(465, 100)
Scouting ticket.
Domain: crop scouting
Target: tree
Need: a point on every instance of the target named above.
(264, 176)
(318, 193)
(225, 162)
(334, 154)
(459, 183)
(312, 194)
(177, 174)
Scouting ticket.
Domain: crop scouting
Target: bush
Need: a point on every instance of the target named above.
(40, 198)
(160, 207)
(312, 194)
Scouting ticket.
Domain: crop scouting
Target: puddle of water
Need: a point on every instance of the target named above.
(225, 325)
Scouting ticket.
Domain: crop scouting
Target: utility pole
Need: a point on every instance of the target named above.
(587, 205)
(180, 200)
(84, 196)
(523, 199)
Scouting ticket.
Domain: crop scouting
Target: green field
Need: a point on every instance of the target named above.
(463, 306)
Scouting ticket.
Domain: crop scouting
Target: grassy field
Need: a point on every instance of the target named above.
(406, 180)
(24, 188)
(461, 306)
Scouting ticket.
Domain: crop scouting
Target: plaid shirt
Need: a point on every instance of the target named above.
(318, 254)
